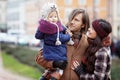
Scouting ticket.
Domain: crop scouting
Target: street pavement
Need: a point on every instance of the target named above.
(7, 75)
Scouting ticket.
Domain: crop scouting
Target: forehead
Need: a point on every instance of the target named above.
(78, 16)
(53, 13)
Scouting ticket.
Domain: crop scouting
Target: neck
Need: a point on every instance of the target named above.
(77, 35)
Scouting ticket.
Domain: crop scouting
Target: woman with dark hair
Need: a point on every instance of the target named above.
(96, 61)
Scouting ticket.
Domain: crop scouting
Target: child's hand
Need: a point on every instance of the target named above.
(69, 32)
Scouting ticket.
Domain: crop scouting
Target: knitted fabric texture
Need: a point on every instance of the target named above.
(51, 28)
(47, 9)
(99, 29)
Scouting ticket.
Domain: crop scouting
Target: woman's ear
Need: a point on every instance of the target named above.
(107, 41)
(82, 25)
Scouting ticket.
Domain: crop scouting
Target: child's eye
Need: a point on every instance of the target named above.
(54, 16)
(50, 17)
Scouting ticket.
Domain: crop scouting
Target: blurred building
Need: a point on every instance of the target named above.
(116, 17)
(106, 9)
(16, 15)
(32, 16)
(33, 8)
(24, 14)
(3, 15)
(95, 8)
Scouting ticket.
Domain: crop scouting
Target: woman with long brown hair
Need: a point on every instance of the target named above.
(96, 61)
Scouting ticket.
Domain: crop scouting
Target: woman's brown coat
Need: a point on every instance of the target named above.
(74, 53)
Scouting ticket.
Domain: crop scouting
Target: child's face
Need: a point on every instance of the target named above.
(53, 17)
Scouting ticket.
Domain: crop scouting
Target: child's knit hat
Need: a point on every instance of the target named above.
(47, 9)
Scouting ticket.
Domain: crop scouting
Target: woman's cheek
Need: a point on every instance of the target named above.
(88, 34)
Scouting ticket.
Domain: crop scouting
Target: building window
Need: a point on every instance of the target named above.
(68, 2)
(118, 5)
(0, 18)
(0, 6)
(67, 13)
(118, 30)
(82, 2)
(97, 2)
(13, 4)
(13, 16)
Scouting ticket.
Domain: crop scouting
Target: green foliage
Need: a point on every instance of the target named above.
(115, 70)
(27, 56)
(7, 48)
(12, 64)
(22, 54)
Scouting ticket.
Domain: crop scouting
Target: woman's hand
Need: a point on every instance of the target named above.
(75, 64)
(77, 67)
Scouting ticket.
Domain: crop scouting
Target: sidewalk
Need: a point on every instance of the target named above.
(6, 75)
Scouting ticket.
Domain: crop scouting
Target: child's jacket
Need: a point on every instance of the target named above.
(48, 32)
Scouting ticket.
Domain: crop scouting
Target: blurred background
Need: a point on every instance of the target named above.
(19, 22)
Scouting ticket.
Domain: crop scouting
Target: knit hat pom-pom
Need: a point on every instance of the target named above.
(58, 42)
(71, 42)
(47, 9)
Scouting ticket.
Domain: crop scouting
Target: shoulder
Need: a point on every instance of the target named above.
(103, 52)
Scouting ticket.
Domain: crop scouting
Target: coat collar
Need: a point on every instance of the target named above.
(49, 28)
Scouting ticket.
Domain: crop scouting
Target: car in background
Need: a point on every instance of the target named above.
(8, 38)
(13, 36)
(34, 42)
(15, 32)
(11, 39)
(3, 37)
(28, 40)
(23, 40)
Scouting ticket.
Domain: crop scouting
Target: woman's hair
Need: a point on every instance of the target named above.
(102, 28)
(95, 44)
(85, 19)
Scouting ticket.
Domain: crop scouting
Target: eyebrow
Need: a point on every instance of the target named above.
(77, 19)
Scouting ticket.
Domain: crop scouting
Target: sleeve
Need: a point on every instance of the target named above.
(64, 29)
(100, 67)
(39, 35)
(64, 37)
